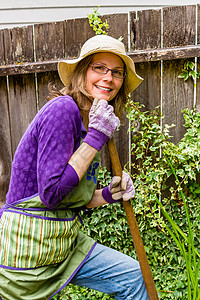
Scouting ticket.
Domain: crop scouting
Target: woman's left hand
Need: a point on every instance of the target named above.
(116, 191)
(122, 188)
(119, 189)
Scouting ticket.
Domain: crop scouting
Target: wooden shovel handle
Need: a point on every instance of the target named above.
(135, 233)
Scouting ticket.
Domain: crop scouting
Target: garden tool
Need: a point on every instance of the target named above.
(135, 233)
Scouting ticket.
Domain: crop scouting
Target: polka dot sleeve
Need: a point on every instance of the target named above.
(59, 134)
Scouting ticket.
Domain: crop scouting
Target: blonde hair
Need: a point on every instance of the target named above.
(77, 89)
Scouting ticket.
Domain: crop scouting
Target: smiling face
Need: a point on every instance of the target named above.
(104, 86)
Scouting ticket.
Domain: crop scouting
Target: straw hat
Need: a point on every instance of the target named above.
(96, 44)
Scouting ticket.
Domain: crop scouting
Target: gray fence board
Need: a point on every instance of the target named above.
(18, 45)
(22, 104)
(179, 25)
(49, 41)
(177, 95)
(5, 141)
(178, 29)
(49, 45)
(146, 29)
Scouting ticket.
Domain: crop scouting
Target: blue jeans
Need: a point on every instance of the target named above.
(112, 272)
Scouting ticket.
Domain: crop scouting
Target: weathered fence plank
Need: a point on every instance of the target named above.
(49, 45)
(5, 142)
(177, 95)
(149, 91)
(49, 41)
(178, 29)
(2, 60)
(137, 56)
(146, 29)
(149, 55)
(22, 104)
(179, 26)
(17, 45)
(77, 31)
(28, 68)
(43, 80)
(22, 96)
(118, 26)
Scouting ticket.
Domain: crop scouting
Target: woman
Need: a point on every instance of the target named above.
(54, 175)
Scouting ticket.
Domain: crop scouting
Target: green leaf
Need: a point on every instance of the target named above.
(184, 75)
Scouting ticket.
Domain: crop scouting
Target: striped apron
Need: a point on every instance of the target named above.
(33, 237)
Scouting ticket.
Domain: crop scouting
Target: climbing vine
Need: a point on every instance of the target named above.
(98, 26)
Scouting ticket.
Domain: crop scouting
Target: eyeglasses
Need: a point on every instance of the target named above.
(104, 70)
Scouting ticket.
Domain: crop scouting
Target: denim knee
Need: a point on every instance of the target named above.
(112, 272)
(132, 285)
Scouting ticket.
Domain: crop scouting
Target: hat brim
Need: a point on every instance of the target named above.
(132, 80)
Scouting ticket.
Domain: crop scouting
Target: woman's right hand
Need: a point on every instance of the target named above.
(102, 117)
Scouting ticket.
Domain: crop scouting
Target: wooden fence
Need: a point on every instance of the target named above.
(159, 41)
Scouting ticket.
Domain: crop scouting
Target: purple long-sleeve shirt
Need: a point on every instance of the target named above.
(40, 164)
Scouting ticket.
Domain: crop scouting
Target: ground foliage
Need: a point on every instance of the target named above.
(154, 159)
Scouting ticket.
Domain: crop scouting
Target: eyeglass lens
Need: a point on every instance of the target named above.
(104, 70)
